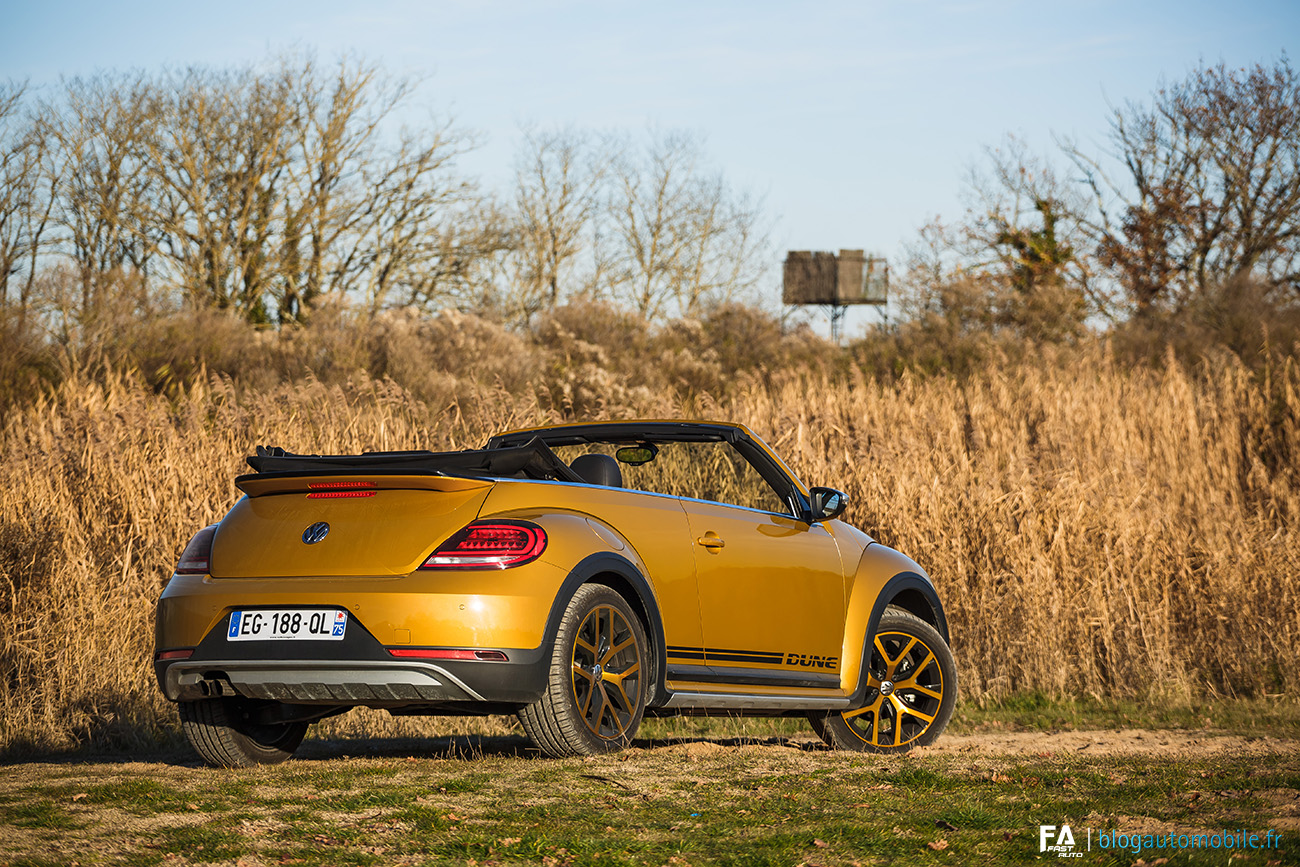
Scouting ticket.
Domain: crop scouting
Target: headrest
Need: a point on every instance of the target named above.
(598, 470)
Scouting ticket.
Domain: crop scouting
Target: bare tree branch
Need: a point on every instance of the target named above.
(1212, 185)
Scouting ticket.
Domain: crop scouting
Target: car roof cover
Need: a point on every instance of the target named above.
(532, 459)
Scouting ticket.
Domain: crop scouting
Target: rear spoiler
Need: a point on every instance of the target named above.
(532, 460)
(354, 482)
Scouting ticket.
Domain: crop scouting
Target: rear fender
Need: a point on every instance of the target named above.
(620, 573)
(594, 552)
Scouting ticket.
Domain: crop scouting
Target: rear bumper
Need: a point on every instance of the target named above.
(396, 683)
(355, 671)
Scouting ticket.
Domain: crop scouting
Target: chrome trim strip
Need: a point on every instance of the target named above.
(725, 701)
(456, 680)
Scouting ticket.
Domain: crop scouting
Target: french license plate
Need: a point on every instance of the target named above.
(300, 624)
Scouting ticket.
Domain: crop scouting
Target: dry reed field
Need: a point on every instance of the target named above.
(1093, 530)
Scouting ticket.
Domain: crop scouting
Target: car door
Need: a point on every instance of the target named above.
(771, 595)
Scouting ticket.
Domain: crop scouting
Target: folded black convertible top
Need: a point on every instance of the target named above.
(532, 460)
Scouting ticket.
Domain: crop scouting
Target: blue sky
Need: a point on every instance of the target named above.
(856, 121)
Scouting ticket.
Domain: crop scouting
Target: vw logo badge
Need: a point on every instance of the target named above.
(315, 532)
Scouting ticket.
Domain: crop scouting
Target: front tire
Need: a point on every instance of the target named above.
(596, 690)
(911, 691)
(224, 733)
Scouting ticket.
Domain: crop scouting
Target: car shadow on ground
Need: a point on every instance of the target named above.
(471, 747)
(465, 748)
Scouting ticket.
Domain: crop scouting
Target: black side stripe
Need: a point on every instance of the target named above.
(770, 657)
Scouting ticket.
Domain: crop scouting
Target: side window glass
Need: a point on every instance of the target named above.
(712, 471)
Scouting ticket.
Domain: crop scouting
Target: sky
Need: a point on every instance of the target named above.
(856, 122)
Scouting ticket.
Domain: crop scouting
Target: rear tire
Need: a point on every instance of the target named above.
(911, 691)
(223, 733)
(596, 689)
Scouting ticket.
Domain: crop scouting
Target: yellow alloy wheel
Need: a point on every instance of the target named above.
(598, 681)
(904, 692)
(607, 672)
(911, 690)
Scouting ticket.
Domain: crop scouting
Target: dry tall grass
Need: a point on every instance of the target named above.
(1093, 531)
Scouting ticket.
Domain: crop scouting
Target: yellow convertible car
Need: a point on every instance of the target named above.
(579, 576)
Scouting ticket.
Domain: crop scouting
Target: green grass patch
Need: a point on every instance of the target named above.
(138, 796)
(39, 813)
(1032, 711)
(208, 842)
(725, 805)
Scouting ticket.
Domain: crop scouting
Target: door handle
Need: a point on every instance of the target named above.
(711, 540)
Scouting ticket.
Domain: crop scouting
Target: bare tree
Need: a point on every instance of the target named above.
(1209, 186)
(25, 198)
(681, 237)
(1029, 225)
(404, 247)
(331, 190)
(15, 174)
(267, 190)
(558, 177)
(220, 160)
(279, 188)
(459, 261)
(96, 134)
(726, 247)
(369, 211)
(646, 211)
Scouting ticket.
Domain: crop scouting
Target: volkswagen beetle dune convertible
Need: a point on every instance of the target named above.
(578, 576)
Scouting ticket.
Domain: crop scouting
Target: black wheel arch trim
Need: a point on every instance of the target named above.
(608, 562)
(901, 583)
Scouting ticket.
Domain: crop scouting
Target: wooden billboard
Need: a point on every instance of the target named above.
(824, 278)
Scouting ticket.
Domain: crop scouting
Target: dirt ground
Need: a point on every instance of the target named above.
(1139, 742)
(1010, 746)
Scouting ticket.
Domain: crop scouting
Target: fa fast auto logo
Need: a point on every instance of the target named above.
(1058, 839)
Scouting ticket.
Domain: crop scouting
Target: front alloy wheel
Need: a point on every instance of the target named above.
(596, 692)
(911, 690)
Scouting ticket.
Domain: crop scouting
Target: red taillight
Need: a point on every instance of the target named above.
(175, 654)
(490, 545)
(423, 653)
(195, 559)
(340, 490)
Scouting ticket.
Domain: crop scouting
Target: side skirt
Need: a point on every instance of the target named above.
(724, 701)
(727, 675)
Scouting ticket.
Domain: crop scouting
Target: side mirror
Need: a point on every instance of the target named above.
(827, 503)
